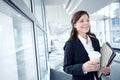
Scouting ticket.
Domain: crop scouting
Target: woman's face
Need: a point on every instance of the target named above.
(83, 24)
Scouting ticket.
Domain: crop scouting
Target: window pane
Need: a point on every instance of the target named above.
(110, 17)
(7, 49)
(115, 23)
(16, 46)
(42, 54)
(38, 11)
(24, 48)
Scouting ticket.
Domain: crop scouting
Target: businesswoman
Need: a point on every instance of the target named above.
(76, 50)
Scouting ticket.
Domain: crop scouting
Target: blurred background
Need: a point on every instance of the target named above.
(33, 34)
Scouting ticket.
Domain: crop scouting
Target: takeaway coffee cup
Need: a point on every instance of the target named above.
(94, 56)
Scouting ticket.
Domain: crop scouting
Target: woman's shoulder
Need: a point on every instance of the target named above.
(67, 43)
(70, 41)
(93, 37)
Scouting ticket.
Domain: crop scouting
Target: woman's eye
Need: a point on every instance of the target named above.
(81, 21)
(84, 21)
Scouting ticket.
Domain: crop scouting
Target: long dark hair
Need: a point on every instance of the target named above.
(74, 19)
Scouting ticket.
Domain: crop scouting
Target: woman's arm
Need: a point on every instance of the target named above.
(69, 65)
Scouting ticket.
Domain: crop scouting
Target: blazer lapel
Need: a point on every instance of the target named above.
(81, 46)
(93, 43)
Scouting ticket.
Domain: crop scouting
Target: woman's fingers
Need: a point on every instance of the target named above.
(105, 70)
(91, 66)
(94, 67)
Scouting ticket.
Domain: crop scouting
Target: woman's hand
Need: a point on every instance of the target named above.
(105, 70)
(91, 66)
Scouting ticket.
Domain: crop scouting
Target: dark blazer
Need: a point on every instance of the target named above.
(75, 56)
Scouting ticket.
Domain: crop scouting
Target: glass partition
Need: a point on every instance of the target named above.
(38, 11)
(42, 54)
(17, 55)
(23, 35)
(8, 63)
(115, 23)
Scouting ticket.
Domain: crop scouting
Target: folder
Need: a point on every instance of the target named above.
(107, 56)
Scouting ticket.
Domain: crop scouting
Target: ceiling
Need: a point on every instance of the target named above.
(54, 2)
(72, 6)
(58, 12)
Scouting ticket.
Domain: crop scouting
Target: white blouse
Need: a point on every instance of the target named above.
(88, 46)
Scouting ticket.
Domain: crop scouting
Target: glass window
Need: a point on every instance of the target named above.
(109, 24)
(25, 54)
(115, 23)
(17, 55)
(107, 30)
(7, 48)
(97, 27)
(28, 3)
(42, 54)
(38, 11)
(101, 31)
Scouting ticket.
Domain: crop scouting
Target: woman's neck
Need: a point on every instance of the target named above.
(83, 35)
